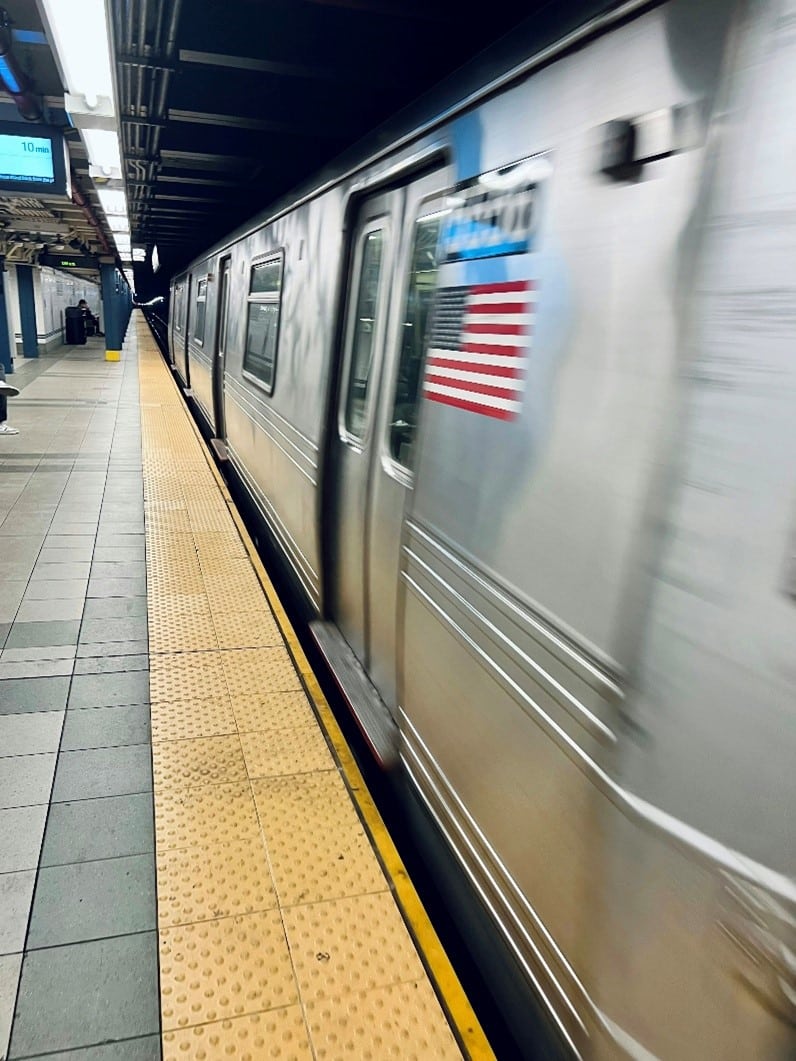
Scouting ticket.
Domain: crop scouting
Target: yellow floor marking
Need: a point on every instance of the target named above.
(278, 926)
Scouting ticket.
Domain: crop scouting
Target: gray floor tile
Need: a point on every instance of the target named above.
(21, 546)
(4, 628)
(118, 568)
(13, 593)
(102, 772)
(92, 900)
(49, 610)
(98, 690)
(15, 570)
(69, 541)
(56, 589)
(63, 529)
(21, 831)
(28, 734)
(41, 634)
(99, 828)
(16, 896)
(97, 631)
(61, 571)
(105, 727)
(37, 668)
(125, 554)
(143, 1049)
(79, 554)
(68, 528)
(92, 663)
(91, 648)
(120, 511)
(119, 539)
(10, 967)
(28, 655)
(87, 993)
(26, 780)
(33, 694)
(116, 587)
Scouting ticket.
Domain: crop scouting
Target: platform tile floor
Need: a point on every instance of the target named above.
(78, 940)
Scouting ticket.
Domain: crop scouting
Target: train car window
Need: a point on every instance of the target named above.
(178, 308)
(199, 319)
(262, 330)
(364, 329)
(419, 297)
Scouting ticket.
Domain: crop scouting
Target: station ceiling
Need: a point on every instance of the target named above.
(225, 105)
(31, 226)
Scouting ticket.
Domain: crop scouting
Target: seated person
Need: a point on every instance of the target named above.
(92, 322)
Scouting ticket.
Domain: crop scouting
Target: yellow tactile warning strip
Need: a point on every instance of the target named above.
(279, 932)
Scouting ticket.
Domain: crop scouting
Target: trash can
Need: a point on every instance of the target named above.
(75, 326)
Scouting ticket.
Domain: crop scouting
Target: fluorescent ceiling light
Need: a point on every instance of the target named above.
(118, 224)
(113, 202)
(139, 254)
(103, 148)
(79, 35)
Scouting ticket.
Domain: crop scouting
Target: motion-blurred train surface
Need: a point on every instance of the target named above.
(513, 387)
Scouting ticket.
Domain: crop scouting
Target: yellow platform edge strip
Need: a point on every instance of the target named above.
(449, 989)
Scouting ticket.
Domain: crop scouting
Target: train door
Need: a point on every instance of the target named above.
(221, 348)
(369, 283)
(391, 284)
(181, 351)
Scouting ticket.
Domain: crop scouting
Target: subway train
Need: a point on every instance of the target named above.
(512, 386)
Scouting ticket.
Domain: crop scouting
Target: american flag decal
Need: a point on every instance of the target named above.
(478, 346)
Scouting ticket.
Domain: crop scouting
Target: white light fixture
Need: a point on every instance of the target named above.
(113, 202)
(102, 146)
(118, 224)
(139, 254)
(78, 32)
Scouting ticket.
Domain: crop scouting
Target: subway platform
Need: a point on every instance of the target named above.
(190, 864)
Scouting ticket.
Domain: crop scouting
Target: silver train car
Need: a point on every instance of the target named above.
(514, 391)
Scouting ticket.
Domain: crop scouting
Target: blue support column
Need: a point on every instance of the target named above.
(6, 358)
(111, 311)
(27, 311)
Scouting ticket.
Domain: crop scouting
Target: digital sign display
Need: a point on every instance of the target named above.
(68, 261)
(33, 161)
(26, 158)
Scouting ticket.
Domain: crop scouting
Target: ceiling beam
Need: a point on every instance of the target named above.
(229, 121)
(263, 66)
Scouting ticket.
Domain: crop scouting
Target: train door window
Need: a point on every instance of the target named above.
(362, 332)
(224, 307)
(199, 319)
(178, 307)
(262, 330)
(421, 285)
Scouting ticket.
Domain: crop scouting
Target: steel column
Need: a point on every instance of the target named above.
(27, 311)
(112, 284)
(6, 357)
